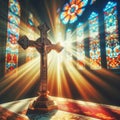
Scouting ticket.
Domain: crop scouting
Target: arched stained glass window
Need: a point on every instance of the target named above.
(69, 45)
(30, 50)
(12, 35)
(80, 46)
(95, 55)
(111, 36)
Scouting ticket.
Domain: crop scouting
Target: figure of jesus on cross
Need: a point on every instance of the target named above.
(43, 46)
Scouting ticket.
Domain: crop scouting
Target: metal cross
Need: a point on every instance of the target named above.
(43, 46)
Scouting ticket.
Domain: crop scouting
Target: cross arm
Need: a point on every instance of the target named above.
(56, 47)
(25, 42)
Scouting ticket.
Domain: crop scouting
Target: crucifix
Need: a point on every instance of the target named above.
(43, 46)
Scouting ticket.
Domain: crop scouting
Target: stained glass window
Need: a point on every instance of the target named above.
(12, 35)
(69, 45)
(95, 55)
(72, 10)
(80, 46)
(111, 36)
(30, 50)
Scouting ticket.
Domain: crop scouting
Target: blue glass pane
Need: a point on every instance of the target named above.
(93, 14)
(110, 5)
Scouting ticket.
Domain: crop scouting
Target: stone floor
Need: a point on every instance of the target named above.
(67, 110)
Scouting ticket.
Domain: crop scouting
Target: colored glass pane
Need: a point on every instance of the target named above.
(111, 36)
(12, 35)
(95, 55)
(80, 46)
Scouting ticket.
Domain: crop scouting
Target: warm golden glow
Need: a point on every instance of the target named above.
(63, 75)
(20, 80)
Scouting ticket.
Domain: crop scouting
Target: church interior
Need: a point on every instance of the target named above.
(59, 60)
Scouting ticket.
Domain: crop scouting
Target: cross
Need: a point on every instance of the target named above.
(43, 46)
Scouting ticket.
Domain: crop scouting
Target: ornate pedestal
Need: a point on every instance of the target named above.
(42, 104)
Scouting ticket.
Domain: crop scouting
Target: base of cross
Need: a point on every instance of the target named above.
(42, 105)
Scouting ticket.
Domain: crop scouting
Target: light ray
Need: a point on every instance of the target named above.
(21, 76)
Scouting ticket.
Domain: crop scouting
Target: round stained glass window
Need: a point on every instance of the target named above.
(72, 10)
